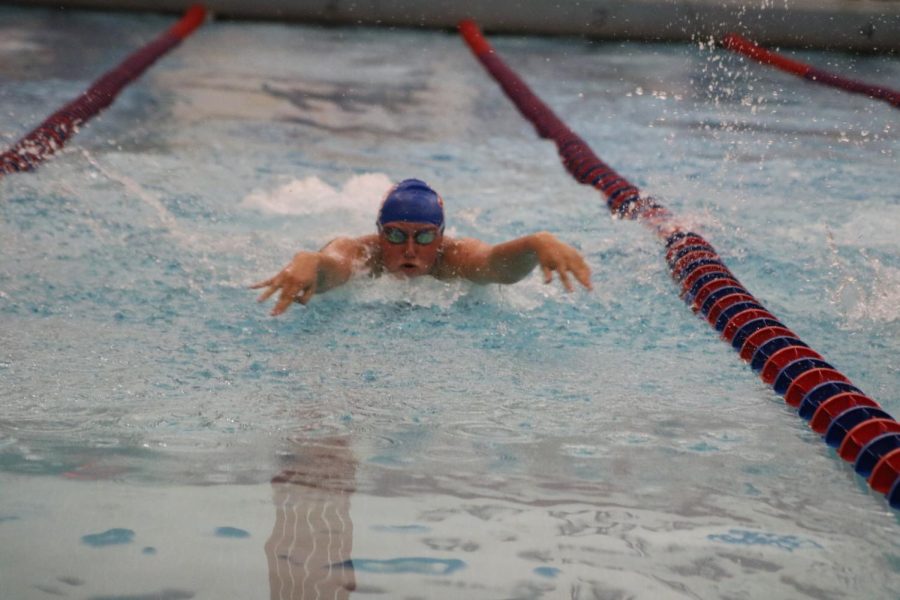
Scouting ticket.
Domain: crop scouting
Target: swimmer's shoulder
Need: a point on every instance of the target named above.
(461, 257)
(359, 247)
(363, 251)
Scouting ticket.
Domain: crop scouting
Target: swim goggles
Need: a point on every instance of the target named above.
(423, 237)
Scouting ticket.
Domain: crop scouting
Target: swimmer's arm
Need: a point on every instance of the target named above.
(311, 273)
(512, 261)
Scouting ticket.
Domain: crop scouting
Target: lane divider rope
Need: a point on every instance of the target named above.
(51, 135)
(743, 46)
(849, 420)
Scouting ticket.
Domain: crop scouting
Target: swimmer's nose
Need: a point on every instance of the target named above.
(409, 250)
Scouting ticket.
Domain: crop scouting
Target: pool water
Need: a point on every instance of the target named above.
(161, 436)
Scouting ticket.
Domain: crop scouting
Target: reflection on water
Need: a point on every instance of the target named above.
(309, 550)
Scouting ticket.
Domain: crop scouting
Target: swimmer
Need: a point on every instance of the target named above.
(410, 242)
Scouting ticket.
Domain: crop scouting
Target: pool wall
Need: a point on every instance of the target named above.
(864, 25)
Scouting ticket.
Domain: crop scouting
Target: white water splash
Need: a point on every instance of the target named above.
(526, 296)
(875, 297)
(420, 291)
(361, 194)
(17, 41)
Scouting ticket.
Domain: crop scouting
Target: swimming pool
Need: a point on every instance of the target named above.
(449, 440)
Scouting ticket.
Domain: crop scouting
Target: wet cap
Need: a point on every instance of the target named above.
(412, 201)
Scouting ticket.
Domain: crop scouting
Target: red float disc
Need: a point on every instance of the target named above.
(885, 472)
(709, 287)
(699, 272)
(690, 257)
(684, 242)
(834, 406)
(742, 318)
(862, 434)
(804, 382)
(781, 358)
(760, 337)
(724, 302)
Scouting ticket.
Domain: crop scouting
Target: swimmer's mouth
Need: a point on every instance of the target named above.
(409, 269)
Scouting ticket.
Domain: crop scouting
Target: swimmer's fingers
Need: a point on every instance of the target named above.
(582, 273)
(272, 283)
(306, 295)
(263, 283)
(288, 293)
(548, 273)
(572, 263)
(548, 269)
(549, 266)
(564, 278)
(568, 267)
(584, 278)
(266, 294)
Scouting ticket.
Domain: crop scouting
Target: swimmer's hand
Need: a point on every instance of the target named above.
(512, 261)
(311, 273)
(554, 255)
(297, 281)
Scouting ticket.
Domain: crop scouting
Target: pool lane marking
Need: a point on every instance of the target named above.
(51, 135)
(741, 45)
(695, 265)
(167, 220)
(165, 216)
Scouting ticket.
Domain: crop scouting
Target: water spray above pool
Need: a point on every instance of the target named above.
(854, 423)
(743, 46)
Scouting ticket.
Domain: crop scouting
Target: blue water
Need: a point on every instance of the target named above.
(429, 439)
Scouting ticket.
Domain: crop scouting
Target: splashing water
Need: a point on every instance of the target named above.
(361, 194)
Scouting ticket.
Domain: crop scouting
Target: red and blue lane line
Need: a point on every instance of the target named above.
(849, 420)
(51, 135)
(741, 45)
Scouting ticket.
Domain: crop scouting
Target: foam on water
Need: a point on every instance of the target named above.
(359, 195)
(869, 294)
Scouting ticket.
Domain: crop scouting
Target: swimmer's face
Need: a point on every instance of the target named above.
(409, 249)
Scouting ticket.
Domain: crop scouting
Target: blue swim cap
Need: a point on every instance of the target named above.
(412, 201)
